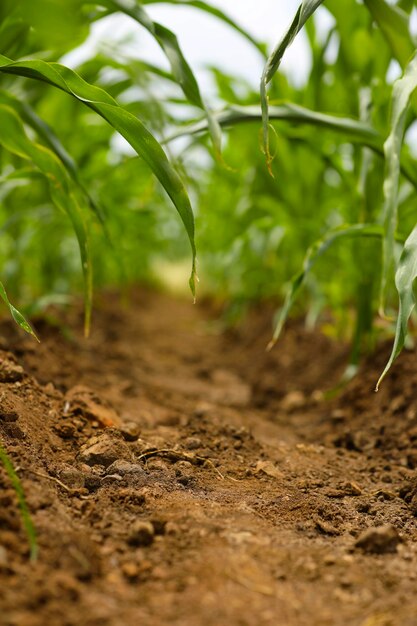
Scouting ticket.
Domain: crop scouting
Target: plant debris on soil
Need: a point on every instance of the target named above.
(181, 475)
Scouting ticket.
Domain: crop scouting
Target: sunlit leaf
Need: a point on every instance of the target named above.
(17, 316)
(305, 11)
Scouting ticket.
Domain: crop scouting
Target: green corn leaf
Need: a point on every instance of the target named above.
(14, 139)
(17, 316)
(180, 69)
(404, 281)
(402, 92)
(406, 5)
(49, 137)
(354, 130)
(203, 6)
(293, 113)
(313, 254)
(167, 41)
(24, 511)
(121, 120)
(47, 134)
(393, 23)
(305, 11)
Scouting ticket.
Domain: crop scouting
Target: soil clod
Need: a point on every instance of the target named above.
(232, 490)
(103, 450)
(379, 540)
(141, 534)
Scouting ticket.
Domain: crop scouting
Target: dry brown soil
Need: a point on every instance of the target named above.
(180, 475)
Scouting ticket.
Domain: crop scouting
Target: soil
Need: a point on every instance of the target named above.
(179, 474)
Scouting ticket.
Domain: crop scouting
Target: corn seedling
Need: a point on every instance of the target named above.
(89, 154)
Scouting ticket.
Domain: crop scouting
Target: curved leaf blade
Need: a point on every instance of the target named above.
(180, 69)
(393, 23)
(352, 129)
(404, 281)
(292, 113)
(16, 315)
(402, 92)
(46, 133)
(24, 510)
(122, 121)
(13, 137)
(313, 254)
(304, 12)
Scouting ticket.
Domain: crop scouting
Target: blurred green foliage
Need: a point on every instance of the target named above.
(339, 192)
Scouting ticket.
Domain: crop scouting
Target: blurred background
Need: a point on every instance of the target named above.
(207, 42)
(190, 72)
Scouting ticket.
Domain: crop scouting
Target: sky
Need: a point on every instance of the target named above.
(205, 40)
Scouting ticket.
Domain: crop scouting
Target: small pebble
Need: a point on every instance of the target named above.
(293, 400)
(192, 443)
(110, 479)
(72, 477)
(104, 450)
(125, 467)
(142, 533)
(130, 570)
(130, 431)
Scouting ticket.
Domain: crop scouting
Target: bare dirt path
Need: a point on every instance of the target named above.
(179, 475)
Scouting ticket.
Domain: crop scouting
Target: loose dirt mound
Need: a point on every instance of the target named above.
(181, 476)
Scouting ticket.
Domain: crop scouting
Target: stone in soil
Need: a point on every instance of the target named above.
(10, 372)
(379, 540)
(104, 450)
(125, 467)
(141, 534)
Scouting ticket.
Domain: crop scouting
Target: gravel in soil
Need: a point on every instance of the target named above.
(181, 475)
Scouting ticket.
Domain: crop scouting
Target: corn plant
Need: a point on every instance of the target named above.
(342, 184)
(284, 180)
(342, 125)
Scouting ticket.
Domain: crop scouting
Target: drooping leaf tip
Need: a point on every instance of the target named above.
(270, 345)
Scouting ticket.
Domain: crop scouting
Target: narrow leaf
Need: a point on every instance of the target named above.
(180, 69)
(393, 23)
(305, 11)
(24, 511)
(292, 113)
(402, 91)
(352, 129)
(17, 316)
(14, 139)
(121, 120)
(313, 254)
(404, 281)
(46, 133)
